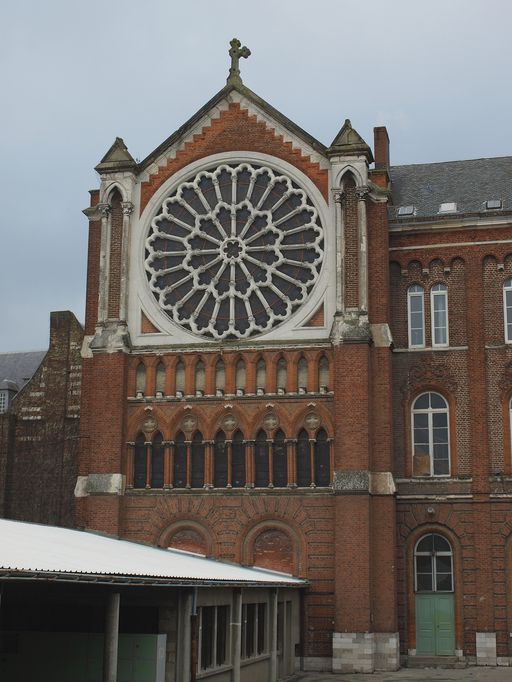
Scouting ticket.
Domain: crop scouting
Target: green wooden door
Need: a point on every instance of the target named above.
(435, 630)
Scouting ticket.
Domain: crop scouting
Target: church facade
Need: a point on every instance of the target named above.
(299, 357)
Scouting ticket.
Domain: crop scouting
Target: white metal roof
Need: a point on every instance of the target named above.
(27, 548)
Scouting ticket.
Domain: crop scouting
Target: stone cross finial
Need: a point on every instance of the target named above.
(235, 53)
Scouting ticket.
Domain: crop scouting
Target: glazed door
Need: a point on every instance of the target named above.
(435, 631)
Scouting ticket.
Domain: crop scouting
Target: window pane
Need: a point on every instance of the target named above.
(443, 563)
(220, 466)
(238, 461)
(197, 462)
(279, 461)
(261, 461)
(139, 464)
(421, 421)
(180, 462)
(424, 563)
(157, 463)
(322, 463)
(222, 630)
(441, 467)
(441, 544)
(424, 582)
(422, 403)
(250, 630)
(444, 582)
(437, 401)
(426, 544)
(207, 622)
(261, 628)
(303, 460)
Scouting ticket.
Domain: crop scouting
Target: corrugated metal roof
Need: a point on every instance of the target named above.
(469, 184)
(37, 549)
(20, 367)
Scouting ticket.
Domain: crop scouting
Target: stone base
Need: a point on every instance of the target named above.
(316, 664)
(486, 648)
(365, 652)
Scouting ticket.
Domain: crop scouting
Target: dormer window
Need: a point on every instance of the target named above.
(493, 204)
(448, 207)
(405, 211)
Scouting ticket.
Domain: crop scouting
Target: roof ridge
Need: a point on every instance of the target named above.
(443, 163)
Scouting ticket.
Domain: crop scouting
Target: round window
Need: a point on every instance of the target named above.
(234, 251)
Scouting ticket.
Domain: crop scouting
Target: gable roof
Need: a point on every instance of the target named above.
(222, 94)
(48, 552)
(20, 367)
(469, 184)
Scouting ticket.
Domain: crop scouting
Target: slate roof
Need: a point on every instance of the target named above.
(48, 552)
(20, 367)
(467, 183)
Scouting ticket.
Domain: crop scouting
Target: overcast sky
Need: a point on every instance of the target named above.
(77, 73)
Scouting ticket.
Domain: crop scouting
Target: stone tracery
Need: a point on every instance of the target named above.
(234, 251)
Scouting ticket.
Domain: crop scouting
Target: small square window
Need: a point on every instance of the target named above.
(493, 204)
(406, 210)
(448, 207)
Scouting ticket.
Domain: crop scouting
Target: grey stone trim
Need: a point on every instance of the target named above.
(111, 336)
(100, 484)
(381, 335)
(362, 481)
(350, 327)
(486, 648)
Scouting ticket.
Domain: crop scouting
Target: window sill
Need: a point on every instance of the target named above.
(436, 349)
(229, 491)
(203, 674)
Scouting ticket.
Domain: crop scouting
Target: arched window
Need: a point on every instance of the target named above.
(507, 309)
(439, 314)
(160, 378)
(240, 375)
(140, 378)
(279, 461)
(220, 461)
(322, 460)
(281, 375)
(261, 470)
(433, 564)
(197, 461)
(303, 455)
(140, 462)
(302, 375)
(323, 374)
(261, 375)
(199, 376)
(220, 376)
(416, 316)
(180, 461)
(157, 462)
(180, 377)
(430, 436)
(238, 460)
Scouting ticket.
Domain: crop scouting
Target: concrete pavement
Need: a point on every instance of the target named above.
(472, 674)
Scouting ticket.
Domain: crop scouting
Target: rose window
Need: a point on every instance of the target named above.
(234, 251)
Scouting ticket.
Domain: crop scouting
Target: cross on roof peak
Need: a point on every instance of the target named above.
(236, 51)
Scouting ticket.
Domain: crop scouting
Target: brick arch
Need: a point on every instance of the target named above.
(215, 422)
(414, 264)
(297, 423)
(410, 543)
(258, 419)
(274, 544)
(431, 383)
(178, 416)
(188, 534)
(135, 423)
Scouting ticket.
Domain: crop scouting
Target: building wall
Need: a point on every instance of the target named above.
(39, 436)
(354, 539)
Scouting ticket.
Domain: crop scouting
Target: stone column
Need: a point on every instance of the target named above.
(236, 635)
(272, 677)
(111, 638)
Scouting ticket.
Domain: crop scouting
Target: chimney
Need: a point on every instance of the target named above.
(381, 146)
